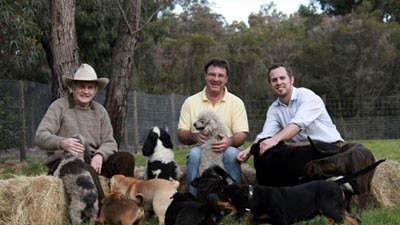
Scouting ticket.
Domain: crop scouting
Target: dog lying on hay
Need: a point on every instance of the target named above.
(283, 164)
(184, 210)
(354, 158)
(209, 124)
(117, 209)
(288, 205)
(158, 149)
(79, 185)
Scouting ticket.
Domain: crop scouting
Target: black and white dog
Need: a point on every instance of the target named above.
(161, 162)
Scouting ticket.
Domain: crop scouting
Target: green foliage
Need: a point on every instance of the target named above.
(97, 26)
(20, 49)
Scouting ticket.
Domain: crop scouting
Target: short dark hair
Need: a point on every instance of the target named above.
(277, 65)
(218, 63)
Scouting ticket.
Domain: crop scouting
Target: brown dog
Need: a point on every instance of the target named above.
(352, 159)
(157, 192)
(118, 209)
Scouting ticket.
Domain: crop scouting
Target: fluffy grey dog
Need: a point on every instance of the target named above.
(209, 124)
(79, 185)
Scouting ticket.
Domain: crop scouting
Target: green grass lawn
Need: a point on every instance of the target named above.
(389, 149)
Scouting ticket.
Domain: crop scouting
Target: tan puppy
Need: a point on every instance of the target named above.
(157, 192)
(118, 209)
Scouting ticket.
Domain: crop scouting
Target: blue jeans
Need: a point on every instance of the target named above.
(231, 164)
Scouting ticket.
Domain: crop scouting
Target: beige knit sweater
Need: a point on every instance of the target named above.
(64, 118)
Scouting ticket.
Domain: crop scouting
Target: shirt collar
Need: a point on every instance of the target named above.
(205, 99)
(294, 97)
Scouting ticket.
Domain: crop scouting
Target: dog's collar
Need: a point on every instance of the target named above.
(250, 196)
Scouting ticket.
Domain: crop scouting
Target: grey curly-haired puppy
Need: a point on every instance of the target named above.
(209, 124)
(79, 185)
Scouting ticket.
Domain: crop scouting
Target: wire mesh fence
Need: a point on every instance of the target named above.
(23, 104)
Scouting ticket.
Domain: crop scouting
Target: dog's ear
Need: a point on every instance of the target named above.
(139, 198)
(166, 139)
(150, 143)
(224, 175)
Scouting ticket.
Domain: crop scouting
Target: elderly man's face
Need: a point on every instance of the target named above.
(84, 92)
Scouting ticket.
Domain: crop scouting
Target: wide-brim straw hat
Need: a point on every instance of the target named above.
(86, 73)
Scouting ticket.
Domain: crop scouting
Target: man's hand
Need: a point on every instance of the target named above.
(267, 144)
(223, 143)
(97, 162)
(200, 138)
(72, 145)
(244, 155)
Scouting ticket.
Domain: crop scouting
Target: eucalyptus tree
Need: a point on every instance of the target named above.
(20, 48)
(175, 47)
(351, 59)
(388, 10)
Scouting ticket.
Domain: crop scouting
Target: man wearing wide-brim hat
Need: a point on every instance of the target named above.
(78, 113)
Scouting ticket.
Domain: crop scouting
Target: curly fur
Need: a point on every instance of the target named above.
(79, 185)
(209, 124)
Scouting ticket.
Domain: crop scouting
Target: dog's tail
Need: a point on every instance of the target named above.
(367, 169)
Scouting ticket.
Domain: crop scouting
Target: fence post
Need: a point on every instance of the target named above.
(22, 133)
(172, 122)
(135, 123)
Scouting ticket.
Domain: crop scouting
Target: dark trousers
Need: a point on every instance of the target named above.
(118, 163)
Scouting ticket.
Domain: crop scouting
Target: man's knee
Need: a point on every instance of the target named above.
(230, 155)
(194, 154)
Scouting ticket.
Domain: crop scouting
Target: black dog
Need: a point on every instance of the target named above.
(160, 156)
(283, 164)
(288, 205)
(184, 210)
(212, 180)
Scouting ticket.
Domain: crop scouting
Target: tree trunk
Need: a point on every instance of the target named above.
(63, 44)
(122, 61)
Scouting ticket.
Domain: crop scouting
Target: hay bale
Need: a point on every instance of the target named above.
(38, 200)
(32, 200)
(384, 188)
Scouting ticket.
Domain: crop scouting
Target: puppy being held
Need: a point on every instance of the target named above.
(157, 192)
(288, 205)
(79, 185)
(210, 125)
(117, 209)
(158, 149)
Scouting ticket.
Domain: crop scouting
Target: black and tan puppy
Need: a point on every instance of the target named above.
(117, 209)
(212, 180)
(288, 205)
(353, 159)
(283, 164)
(184, 210)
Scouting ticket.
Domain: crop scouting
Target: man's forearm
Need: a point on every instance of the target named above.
(238, 139)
